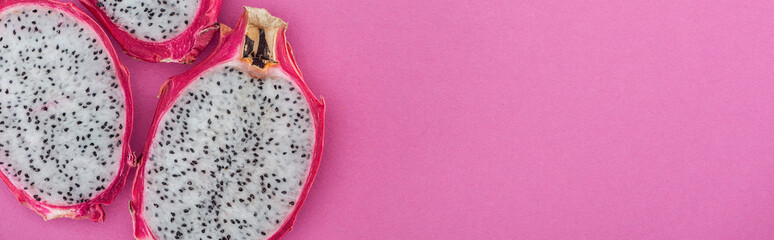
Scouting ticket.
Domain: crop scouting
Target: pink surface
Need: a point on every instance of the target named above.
(516, 120)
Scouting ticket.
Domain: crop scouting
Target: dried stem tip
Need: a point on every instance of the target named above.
(261, 37)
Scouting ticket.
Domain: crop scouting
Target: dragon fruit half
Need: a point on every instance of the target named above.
(65, 110)
(159, 30)
(235, 142)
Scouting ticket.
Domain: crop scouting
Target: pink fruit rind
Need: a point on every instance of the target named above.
(91, 209)
(183, 48)
(229, 50)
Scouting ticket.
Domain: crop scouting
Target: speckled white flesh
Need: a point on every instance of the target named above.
(229, 159)
(151, 20)
(61, 107)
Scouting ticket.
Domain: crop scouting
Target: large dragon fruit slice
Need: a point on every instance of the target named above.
(159, 31)
(235, 143)
(65, 110)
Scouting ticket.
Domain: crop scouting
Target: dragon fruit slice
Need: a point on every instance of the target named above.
(65, 110)
(235, 143)
(159, 31)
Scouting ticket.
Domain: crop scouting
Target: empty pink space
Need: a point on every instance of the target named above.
(515, 120)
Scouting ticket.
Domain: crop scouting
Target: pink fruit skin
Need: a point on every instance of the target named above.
(229, 50)
(183, 48)
(91, 209)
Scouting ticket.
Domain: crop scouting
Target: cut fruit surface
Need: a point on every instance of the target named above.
(65, 110)
(159, 31)
(235, 143)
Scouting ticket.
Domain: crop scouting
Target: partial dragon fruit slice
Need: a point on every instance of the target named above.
(65, 110)
(159, 31)
(235, 143)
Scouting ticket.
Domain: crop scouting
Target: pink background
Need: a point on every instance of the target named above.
(516, 120)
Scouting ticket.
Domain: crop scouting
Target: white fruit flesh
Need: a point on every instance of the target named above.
(151, 20)
(229, 158)
(61, 107)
